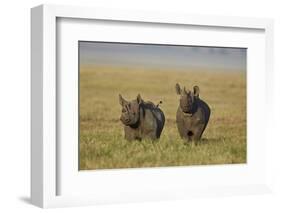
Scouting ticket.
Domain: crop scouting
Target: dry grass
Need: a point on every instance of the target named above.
(101, 133)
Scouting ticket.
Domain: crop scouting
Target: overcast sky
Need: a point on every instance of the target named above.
(161, 56)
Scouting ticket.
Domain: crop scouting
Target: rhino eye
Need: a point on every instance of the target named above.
(123, 110)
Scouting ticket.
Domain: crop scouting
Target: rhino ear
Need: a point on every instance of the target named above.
(178, 89)
(139, 99)
(196, 91)
(122, 101)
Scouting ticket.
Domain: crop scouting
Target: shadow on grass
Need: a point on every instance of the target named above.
(204, 141)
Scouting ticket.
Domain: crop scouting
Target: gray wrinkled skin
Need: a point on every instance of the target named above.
(192, 115)
(141, 119)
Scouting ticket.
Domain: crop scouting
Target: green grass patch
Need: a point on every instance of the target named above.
(102, 144)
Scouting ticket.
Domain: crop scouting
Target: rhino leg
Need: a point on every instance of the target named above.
(129, 137)
(131, 134)
(151, 135)
(186, 135)
(197, 133)
(181, 129)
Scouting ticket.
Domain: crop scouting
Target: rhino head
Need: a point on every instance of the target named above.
(130, 113)
(187, 98)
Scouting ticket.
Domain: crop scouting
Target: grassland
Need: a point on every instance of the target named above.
(102, 143)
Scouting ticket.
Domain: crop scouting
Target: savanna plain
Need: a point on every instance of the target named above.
(101, 139)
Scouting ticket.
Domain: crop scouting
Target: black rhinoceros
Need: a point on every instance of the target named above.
(141, 119)
(192, 115)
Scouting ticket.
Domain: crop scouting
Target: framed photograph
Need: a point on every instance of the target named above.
(131, 106)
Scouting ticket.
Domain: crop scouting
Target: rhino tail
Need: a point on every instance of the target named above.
(160, 102)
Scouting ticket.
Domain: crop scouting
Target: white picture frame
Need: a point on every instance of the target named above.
(45, 168)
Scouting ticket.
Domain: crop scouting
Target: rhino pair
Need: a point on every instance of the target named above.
(146, 120)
